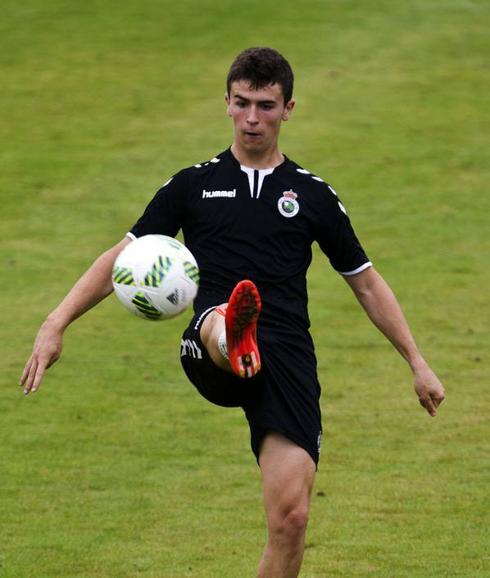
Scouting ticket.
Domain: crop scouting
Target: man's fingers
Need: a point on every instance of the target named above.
(25, 373)
(41, 369)
(438, 399)
(46, 350)
(429, 405)
(42, 365)
(30, 376)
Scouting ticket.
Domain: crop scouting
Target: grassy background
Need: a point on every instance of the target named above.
(116, 468)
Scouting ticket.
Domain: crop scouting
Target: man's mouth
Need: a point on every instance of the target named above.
(252, 133)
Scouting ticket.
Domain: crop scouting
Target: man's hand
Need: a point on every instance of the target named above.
(384, 311)
(46, 350)
(429, 389)
(93, 286)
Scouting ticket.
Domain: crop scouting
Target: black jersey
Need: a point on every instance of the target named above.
(243, 223)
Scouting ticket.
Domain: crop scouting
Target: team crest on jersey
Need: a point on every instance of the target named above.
(288, 205)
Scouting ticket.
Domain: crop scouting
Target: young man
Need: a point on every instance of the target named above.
(250, 215)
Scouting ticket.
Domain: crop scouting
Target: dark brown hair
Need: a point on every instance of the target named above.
(261, 67)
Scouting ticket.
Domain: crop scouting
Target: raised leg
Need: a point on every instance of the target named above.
(229, 333)
(212, 330)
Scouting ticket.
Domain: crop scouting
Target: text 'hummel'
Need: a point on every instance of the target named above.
(214, 194)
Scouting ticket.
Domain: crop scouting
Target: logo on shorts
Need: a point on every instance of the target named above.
(288, 205)
(189, 347)
(319, 441)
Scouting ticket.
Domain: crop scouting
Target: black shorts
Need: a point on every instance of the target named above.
(283, 397)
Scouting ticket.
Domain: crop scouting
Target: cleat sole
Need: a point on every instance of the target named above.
(241, 329)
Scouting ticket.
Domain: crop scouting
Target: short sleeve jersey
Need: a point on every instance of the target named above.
(243, 223)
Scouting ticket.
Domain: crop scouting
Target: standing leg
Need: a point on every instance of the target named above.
(288, 473)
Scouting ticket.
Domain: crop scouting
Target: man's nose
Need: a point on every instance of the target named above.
(252, 115)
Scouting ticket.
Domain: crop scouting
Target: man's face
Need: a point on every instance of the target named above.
(257, 115)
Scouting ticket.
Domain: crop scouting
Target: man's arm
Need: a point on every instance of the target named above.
(94, 285)
(384, 311)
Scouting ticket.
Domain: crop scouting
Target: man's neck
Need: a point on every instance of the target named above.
(267, 160)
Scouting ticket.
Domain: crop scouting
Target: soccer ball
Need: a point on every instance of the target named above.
(155, 277)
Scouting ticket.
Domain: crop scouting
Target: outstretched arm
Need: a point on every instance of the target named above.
(374, 294)
(94, 285)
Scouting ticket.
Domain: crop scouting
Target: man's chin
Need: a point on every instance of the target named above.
(254, 145)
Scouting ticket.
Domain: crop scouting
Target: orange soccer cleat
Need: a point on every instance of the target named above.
(241, 317)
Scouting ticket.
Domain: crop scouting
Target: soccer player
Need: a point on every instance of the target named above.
(249, 216)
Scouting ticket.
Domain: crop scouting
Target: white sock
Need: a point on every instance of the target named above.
(223, 349)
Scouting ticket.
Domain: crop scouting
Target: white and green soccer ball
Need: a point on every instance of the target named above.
(155, 277)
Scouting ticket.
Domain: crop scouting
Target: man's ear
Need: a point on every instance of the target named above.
(227, 100)
(288, 109)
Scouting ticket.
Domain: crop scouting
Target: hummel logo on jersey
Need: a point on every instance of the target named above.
(220, 194)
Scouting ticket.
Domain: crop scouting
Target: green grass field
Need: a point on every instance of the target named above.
(117, 468)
